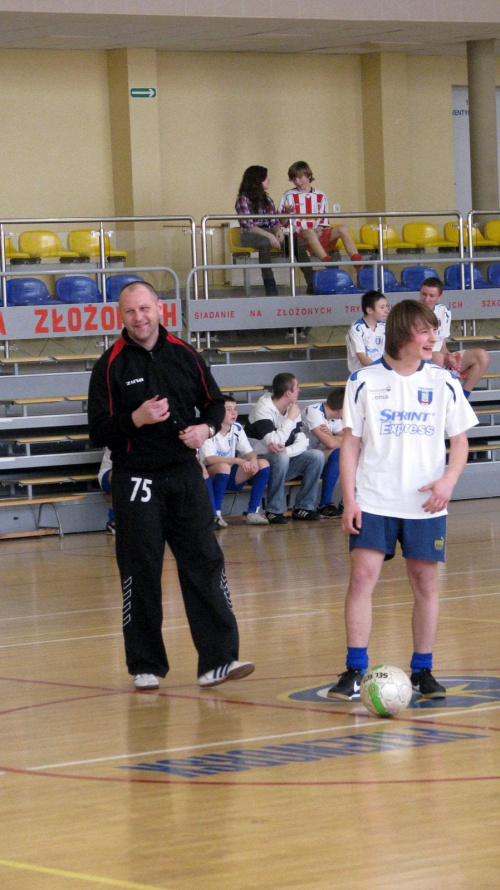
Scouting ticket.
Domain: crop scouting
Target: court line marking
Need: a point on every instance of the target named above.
(165, 630)
(62, 873)
(265, 738)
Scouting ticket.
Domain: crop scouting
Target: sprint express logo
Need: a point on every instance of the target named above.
(406, 423)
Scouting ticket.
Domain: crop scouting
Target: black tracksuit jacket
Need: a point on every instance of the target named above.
(127, 375)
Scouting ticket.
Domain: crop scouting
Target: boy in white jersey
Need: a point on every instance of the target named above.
(396, 485)
(231, 462)
(313, 236)
(471, 364)
(365, 338)
(323, 427)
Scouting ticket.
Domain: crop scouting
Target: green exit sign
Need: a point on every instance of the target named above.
(143, 92)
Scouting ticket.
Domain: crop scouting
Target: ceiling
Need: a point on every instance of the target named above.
(249, 33)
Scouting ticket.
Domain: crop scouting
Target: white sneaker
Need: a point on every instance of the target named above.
(143, 682)
(256, 519)
(236, 670)
(219, 522)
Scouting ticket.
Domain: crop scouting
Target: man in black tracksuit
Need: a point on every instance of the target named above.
(142, 399)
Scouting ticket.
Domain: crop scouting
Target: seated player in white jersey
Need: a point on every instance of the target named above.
(230, 462)
(323, 427)
(396, 484)
(365, 338)
(313, 236)
(469, 365)
(104, 477)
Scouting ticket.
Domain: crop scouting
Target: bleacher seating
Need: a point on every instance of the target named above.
(47, 245)
(115, 283)
(369, 233)
(27, 292)
(452, 233)
(77, 289)
(15, 256)
(240, 253)
(334, 281)
(391, 285)
(492, 230)
(86, 244)
(414, 276)
(453, 280)
(494, 274)
(427, 236)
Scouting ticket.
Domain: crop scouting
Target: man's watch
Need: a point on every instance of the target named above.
(211, 430)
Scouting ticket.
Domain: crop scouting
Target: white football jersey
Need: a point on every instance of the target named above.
(443, 316)
(313, 416)
(234, 444)
(361, 338)
(402, 423)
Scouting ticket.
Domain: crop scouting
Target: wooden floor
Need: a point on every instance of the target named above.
(262, 784)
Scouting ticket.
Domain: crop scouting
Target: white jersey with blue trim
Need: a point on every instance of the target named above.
(233, 444)
(361, 338)
(402, 423)
(313, 416)
(443, 316)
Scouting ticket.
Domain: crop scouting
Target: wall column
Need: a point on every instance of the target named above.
(386, 135)
(135, 133)
(481, 68)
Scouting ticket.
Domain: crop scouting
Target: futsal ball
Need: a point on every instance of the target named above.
(385, 690)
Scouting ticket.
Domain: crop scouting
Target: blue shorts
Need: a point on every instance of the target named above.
(419, 538)
(106, 482)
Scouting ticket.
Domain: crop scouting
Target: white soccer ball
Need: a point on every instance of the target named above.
(385, 690)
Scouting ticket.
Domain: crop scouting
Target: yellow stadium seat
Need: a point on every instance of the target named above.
(426, 235)
(42, 243)
(361, 245)
(86, 244)
(452, 233)
(492, 230)
(391, 240)
(237, 250)
(13, 255)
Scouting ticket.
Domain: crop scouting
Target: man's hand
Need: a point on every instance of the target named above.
(441, 491)
(194, 436)
(293, 411)
(152, 411)
(275, 448)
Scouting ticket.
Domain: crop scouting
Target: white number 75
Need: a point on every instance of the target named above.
(142, 485)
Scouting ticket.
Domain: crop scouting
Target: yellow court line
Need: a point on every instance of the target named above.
(106, 882)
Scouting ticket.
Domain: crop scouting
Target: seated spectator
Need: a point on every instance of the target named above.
(275, 428)
(469, 365)
(366, 337)
(323, 426)
(104, 478)
(230, 462)
(314, 236)
(261, 234)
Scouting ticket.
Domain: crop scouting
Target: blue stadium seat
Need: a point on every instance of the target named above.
(365, 281)
(414, 276)
(77, 289)
(27, 292)
(115, 283)
(494, 274)
(334, 281)
(452, 278)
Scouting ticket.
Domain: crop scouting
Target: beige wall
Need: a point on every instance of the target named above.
(56, 149)
(219, 113)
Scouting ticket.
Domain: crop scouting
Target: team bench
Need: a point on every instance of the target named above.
(53, 501)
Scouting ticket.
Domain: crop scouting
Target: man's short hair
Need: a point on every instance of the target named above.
(282, 383)
(401, 322)
(230, 399)
(133, 285)
(300, 168)
(369, 299)
(335, 398)
(432, 281)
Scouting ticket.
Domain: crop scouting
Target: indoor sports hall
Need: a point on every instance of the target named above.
(126, 131)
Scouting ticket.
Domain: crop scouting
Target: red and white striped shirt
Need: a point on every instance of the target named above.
(305, 202)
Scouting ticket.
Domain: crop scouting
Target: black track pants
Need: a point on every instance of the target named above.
(151, 508)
